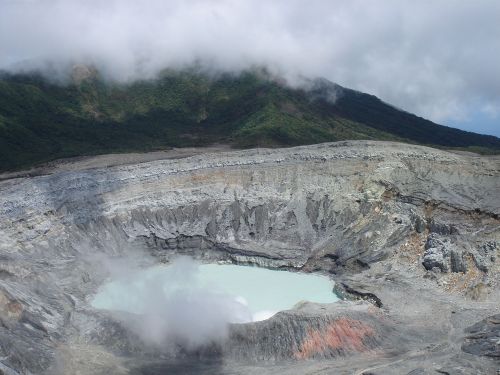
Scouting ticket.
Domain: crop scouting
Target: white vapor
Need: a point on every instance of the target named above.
(172, 306)
(438, 59)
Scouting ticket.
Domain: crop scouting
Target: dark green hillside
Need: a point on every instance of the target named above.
(371, 111)
(41, 121)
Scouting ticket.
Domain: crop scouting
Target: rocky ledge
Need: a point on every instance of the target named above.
(411, 236)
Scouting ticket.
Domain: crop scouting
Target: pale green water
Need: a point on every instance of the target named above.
(259, 293)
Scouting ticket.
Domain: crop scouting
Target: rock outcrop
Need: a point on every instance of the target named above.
(483, 338)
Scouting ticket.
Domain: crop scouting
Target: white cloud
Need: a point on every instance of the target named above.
(432, 58)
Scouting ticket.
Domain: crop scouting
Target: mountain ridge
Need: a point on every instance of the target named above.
(41, 120)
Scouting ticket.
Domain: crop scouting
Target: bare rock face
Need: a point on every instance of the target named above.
(486, 255)
(373, 215)
(457, 261)
(80, 73)
(483, 338)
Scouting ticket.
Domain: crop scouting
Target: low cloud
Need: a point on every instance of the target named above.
(437, 59)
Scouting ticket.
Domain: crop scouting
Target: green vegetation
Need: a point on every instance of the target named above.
(42, 121)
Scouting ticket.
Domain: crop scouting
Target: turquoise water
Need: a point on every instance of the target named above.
(252, 293)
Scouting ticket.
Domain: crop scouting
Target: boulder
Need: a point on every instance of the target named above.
(433, 241)
(435, 258)
(442, 254)
(437, 253)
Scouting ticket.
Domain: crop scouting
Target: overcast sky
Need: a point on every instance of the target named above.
(437, 58)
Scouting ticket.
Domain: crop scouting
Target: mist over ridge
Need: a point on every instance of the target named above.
(425, 57)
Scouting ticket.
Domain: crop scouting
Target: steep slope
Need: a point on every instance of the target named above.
(41, 121)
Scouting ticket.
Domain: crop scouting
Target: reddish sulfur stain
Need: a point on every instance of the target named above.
(343, 333)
